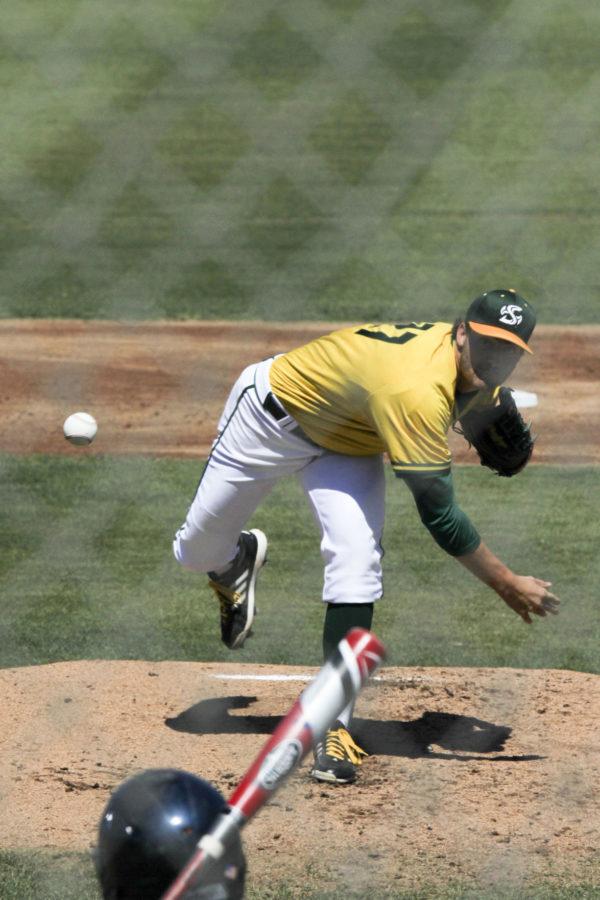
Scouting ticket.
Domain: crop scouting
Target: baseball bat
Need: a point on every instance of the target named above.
(336, 685)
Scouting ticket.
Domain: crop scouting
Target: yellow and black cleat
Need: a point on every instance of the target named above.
(337, 756)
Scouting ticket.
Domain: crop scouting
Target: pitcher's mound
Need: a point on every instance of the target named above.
(476, 774)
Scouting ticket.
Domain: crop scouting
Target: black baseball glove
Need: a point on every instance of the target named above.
(499, 434)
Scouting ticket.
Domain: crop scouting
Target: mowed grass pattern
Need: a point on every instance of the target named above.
(343, 159)
(88, 570)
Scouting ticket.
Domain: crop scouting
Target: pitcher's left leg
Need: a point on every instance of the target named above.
(347, 495)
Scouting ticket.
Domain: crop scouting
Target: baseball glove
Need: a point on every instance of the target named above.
(499, 434)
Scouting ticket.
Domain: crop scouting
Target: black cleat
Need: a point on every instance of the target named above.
(235, 588)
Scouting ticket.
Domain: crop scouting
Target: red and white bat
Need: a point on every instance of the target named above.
(336, 685)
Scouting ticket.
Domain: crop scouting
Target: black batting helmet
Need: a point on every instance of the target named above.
(149, 829)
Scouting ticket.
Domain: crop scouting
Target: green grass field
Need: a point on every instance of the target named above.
(282, 160)
(330, 159)
(60, 876)
(88, 570)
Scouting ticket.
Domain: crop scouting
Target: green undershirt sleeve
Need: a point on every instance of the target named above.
(441, 515)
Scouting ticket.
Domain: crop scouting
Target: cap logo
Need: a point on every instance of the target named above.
(509, 314)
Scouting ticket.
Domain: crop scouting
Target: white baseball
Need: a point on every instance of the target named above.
(80, 428)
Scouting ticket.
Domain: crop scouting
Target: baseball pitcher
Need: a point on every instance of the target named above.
(327, 412)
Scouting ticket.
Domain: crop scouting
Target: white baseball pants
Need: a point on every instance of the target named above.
(252, 451)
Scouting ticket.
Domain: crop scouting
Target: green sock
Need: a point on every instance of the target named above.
(340, 618)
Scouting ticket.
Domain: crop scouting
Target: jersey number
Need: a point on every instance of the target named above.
(396, 339)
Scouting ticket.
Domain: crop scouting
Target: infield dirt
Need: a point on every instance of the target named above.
(158, 387)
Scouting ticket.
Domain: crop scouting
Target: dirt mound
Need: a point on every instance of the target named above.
(475, 773)
(158, 387)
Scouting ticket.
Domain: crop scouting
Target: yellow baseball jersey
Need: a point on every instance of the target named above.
(374, 388)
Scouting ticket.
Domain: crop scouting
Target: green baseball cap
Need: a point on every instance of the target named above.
(502, 314)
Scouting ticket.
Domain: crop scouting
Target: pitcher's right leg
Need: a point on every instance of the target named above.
(253, 450)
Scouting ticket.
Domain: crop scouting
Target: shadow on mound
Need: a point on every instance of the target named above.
(449, 731)
(212, 717)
